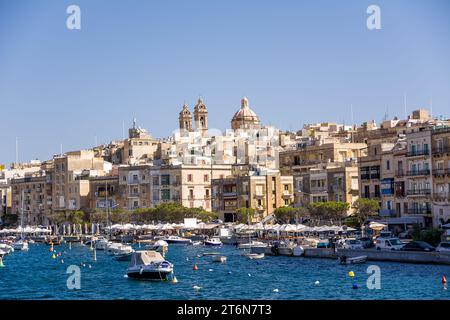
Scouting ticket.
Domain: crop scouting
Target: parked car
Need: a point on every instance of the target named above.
(388, 243)
(405, 234)
(418, 246)
(352, 244)
(367, 242)
(443, 247)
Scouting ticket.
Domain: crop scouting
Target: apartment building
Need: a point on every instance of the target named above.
(418, 175)
(147, 186)
(32, 196)
(326, 172)
(104, 192)
(72, 171)
(261, 189)
(441, 175)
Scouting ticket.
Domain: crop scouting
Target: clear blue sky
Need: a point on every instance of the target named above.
(297, 61)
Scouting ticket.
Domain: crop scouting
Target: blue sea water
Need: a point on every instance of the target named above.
(35, 275)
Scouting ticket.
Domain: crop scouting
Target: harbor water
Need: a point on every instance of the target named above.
(37, 275)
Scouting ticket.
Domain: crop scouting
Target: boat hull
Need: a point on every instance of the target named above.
(148, 275)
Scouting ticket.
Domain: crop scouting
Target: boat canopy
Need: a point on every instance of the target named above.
(145, 257)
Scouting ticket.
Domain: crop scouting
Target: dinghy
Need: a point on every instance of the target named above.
(352, 260)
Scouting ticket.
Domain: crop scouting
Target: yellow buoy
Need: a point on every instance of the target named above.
(53, 256)
(174, 280)
(351, 274)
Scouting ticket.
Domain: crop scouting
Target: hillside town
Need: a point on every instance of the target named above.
(402, 164)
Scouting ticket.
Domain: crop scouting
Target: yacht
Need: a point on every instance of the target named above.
(177, 240)
(149, 265)
(215, 242)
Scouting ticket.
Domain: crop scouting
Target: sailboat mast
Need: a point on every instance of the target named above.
(21, 216)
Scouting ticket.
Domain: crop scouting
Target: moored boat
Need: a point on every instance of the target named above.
(149, 265)
(20, 245)
(249, 245)
(214, 242)
(159, 246)
(6, 248)
(218, 258)
(352, 260)
(177, 240)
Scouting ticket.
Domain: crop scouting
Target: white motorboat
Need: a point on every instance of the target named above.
(6, 248)
(123, 253)
(118, 248)
(253, 256)
(218, 258)
(2, 253)
(251, 244)
(215, 242)
(197, 243)
(177, 240)
(21, 245)
(101, 244)
(149, 265)
(352, 260)
(159, 246)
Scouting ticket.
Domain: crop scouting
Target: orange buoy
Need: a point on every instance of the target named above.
(444, 280)
(195, 267)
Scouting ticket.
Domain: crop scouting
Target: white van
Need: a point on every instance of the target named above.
(388, 244)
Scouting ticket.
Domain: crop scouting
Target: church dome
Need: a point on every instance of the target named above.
(245, 118)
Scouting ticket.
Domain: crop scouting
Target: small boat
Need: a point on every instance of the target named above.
(177, 240)
(158, 246)
(218, 258)
(101, 244)
(253, 256)
(6, 248)
(149, 265)
(298, 251)
(2, 253)
(21, 245)
(352, 260)
(215, 242)
(197, 243)
(209, 254)
(249, 245)
(123, 256)
(118, 248)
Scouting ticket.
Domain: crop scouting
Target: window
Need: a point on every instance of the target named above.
(165, 179)
(205, 178)
(189, 178)
(388, 165)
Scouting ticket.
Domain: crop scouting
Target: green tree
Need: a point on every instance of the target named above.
(243, 215)
(365, 208)
(285, 214)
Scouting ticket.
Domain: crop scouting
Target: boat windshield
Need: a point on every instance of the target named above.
(395, 242)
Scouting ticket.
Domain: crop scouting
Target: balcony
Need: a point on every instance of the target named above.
(441, 150)
(229, 194)
(414, 173)
(388, 213)
(417, 153)
(441, 172)
(423, 211)
(419, 192)
(399, 173)
(373, 176)
(319, 189)
(441, 196)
